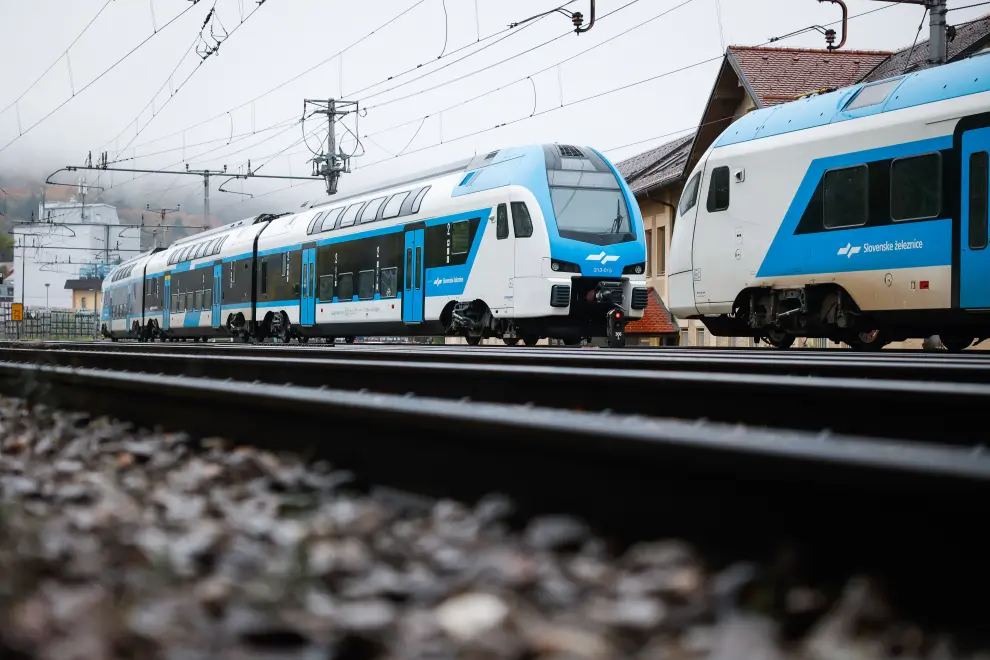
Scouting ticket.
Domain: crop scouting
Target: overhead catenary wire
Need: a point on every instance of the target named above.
(57, 59)
(98, 77)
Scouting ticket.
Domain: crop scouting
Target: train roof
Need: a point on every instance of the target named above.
(962, 78)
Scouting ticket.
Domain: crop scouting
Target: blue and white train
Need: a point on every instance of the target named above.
(859, 215)
(521, 243)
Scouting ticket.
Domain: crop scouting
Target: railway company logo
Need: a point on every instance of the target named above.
(849, 250)
(447, 280)
(886, 246)
(602, 258)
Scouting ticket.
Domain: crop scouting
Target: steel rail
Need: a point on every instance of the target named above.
(942, 412)
(920, 367)
(858, 501)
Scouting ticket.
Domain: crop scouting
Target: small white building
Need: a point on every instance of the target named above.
(65, 239)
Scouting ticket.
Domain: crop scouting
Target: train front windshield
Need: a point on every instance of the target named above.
(589, 206)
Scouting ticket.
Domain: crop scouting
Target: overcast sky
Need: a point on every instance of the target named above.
(281, 39)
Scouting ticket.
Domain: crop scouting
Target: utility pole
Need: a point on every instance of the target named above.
(937, 31)
(163, 212)
(331, 162)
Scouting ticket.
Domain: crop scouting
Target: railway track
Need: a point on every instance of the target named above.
(940, 411)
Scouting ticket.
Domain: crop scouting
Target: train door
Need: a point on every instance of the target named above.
(413, 271)
(307, 301)
(974, 256)
(167, 305)
(215, 306)
(504, 258)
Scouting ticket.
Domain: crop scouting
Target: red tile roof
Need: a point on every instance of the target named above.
(778, 75)
(657, 319)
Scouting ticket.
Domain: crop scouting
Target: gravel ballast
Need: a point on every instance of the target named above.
(123, 543)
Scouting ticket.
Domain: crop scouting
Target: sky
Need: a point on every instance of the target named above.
(435, 81)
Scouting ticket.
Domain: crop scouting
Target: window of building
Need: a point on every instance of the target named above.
(649, 252)
(685, 339)
(689, 197)
(916, 187)
(699, 336)
(978, 174)
(718, 190)
(83, 303)
(846, 198)
(661, 250)
(459, 237)
(522, 224)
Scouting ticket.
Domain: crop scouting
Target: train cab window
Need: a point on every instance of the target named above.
(846, 197)
(330, 219)
(325, 291)
(522, 224)
(460, 237)
(345, 287)
(979, 171)
(264, 277)
(314, 223)
(690, 195)
(718, 190)
(366, 284)
(389, 282)
(394, 205)
(350, 215)
(371, 210)
(501, 222)
(916, 187)
(207, 298)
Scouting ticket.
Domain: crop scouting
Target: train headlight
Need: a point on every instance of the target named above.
(638, 269)
(559, 266)
(555, 266)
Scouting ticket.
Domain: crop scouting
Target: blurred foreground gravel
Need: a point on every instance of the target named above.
(117, 543)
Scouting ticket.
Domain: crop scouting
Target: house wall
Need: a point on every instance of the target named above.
(87, 300)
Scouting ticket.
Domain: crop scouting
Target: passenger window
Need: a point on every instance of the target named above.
(916, 187)
(389, 283)
(846, 199)
(198, 300)
(978, 173)
(459, 237)
(314, 222)
(718, 190)
(690, 195)
(207, 298)
(350, 215)
(409, 268)
(419, 266)
(325, 291)
(264, 277)
(328, 222)
(189, 301)
(371, 210)
(501, 222)
(522, 224)
(366, 284)
(419, 199)
(393, 205)
(345, 287)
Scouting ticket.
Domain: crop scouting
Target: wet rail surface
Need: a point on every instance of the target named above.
(973, 367)
(940, 411)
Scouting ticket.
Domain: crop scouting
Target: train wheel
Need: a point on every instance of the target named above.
(303, 339)
(349, 340)
(510, 341)
(530, 341)
(779, 339)
(869, 340)
(472, 340)
(956, 344)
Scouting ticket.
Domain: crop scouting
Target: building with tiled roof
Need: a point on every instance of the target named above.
(752, 78)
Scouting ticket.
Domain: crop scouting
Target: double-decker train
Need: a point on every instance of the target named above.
(521, 243)
(859, 215)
